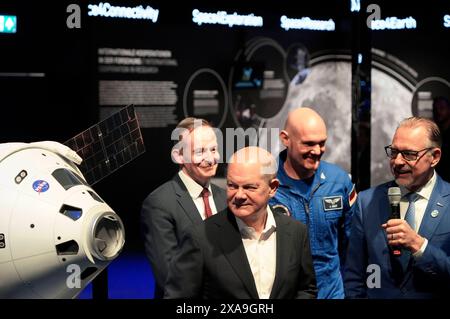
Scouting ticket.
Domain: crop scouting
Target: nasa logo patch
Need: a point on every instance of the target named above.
(41, 186)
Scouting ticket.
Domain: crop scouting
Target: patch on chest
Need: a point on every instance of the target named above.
(332, 203)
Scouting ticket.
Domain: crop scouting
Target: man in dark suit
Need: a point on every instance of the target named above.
(247, 251)
(421, 235)
(188, 198)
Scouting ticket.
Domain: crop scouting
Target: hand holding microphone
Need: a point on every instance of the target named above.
(394, 195)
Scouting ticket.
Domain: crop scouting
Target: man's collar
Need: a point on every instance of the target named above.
(318, 176)
(425, 191)
(247, 231)
(192, 186)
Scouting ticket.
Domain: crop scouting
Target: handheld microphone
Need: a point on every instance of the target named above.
(395, 195)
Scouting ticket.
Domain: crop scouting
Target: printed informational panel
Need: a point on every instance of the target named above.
(237, 68)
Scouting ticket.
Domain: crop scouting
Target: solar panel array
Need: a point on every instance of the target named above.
(108, 145)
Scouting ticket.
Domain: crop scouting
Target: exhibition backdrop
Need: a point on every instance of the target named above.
(239, 64)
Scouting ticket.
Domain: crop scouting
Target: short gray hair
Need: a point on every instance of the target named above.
(189, 124)
(434, 134)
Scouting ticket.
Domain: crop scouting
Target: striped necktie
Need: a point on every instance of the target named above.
(410, 215)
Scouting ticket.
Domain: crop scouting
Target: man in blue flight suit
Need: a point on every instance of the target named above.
(317, 193)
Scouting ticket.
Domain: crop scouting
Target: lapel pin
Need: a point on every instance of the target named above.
(439, 204)
(434, 213)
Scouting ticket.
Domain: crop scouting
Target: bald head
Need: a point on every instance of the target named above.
(304, 119)
(251, 183)
(255, 155)
(304, 136)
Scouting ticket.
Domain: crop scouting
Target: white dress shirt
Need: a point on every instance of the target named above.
(261, 253)
(420, 206)
(195, 191)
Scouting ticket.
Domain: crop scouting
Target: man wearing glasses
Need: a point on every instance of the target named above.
(422, 234)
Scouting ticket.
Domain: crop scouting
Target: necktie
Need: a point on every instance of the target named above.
(205, 193)
(410, 219)
(411, 211)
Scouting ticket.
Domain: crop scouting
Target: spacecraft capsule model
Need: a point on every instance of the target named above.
(56, 233)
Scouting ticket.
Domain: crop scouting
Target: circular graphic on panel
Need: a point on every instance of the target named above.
(327, 90)
(205, 96)
(257, 83)
(392, 85)
(297, 65)
(426, 91)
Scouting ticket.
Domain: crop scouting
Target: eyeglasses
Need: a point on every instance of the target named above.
(407, 155)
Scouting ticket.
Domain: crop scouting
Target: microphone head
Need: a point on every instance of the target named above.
(394, 195)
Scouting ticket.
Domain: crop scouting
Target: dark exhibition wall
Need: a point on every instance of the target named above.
(60, 73)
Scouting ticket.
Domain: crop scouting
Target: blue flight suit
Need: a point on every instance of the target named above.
(325, 204)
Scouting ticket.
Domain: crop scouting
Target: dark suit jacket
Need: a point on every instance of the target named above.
(425, 277)
(212, 262)
(165, 215)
